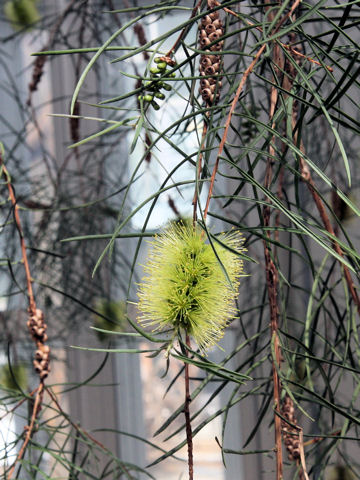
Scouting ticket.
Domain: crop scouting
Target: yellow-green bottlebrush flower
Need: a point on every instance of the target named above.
(185, 287)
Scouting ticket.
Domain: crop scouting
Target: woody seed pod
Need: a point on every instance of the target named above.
(290, 433)
(34, 330)
(296, 453)
(37, 366)
(43, 364)
(210, 30)
(39, 355)
(205, 62)
(40, 332)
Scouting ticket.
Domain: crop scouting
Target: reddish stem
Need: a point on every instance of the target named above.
(32, 304)
(198, 173)
(187, 414)
(29, 430)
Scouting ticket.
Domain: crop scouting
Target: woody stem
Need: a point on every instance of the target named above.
(187, 414)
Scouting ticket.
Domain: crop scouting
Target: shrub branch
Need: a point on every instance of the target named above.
(36, 325)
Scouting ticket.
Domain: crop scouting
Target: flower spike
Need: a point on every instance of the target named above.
(185, 287)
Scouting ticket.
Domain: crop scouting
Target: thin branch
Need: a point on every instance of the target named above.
(198, 173)
(307, 178)
(272, 277)
(32, 304)
(289, 47)
(302, 453)
(321, 439)
(79, 429)
(187, 414)
(299, 54)
(39, 64)
(36, 325)
(138, 28)
(18, 404)
(235, 101)
(182, 33)
(228, 121)
(29, 429)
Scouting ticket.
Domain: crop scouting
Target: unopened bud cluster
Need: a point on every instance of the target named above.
(155, 86)
(37, 328)
(211, 30)
(290, 433)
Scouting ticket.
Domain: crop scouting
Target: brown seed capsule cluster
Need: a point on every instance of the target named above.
(38, 70)
(211, 29)
(37, 73)
(75, 124)
(37, 328)
(290, 434)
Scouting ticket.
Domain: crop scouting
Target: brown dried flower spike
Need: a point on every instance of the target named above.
(37, 328)
(290, 433)
(211, 29)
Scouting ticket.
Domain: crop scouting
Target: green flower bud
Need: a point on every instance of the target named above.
(155, 105)
(153, 86)
(154, 70)
(162, 65)
(159, 95)
(167, 87)
(148, 98)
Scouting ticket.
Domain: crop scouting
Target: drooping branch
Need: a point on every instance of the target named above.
(187, 415)
(272, 274)
(236, 99)
(308, 180)
(36, 324)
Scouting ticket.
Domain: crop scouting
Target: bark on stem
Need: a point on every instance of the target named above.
(198, 173)
(236, 99)
(81, 431)
(182, 33)
(307, 178)
(29, 430)
(32, 304)
(272, 282)
(271, 270)
(187, 415)
(228, 122)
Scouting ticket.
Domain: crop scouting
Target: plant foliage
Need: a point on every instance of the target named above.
(276, 157)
